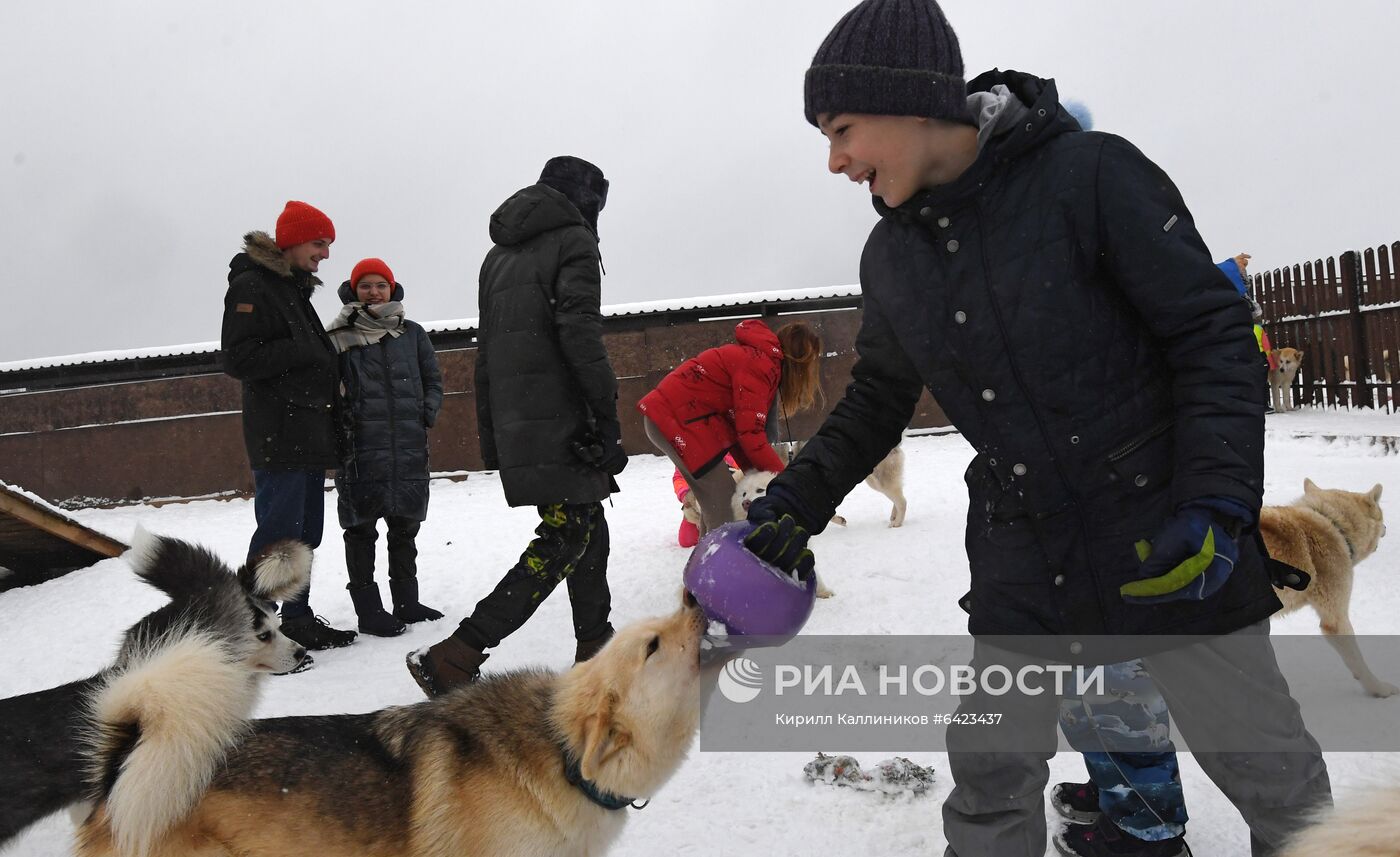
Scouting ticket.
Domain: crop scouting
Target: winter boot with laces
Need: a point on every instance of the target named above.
(1104, 839)
(445, 666)
(374, 619)
(1078, 802)
(312, 632)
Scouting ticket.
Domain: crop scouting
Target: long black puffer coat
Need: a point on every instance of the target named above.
(543, 379)
(274, 343)
(1058, 302)
(393, 392)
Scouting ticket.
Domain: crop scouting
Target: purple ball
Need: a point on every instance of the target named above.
(751, 597)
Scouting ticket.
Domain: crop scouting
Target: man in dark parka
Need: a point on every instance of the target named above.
(273, 342)
(547, 414)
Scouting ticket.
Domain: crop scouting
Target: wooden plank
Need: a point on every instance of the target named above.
(26, 510)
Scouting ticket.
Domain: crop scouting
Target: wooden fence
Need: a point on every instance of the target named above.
(1344, 314)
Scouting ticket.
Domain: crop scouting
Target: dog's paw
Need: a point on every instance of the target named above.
(1382, 690)
(838, 520)
(823, 591)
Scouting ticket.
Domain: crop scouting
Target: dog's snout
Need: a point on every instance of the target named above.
(747, 502)
(299, 653)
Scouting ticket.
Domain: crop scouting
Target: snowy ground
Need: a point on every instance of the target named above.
(887, 581)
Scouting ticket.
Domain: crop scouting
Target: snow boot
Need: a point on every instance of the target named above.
(445, 666)
(312, 632)
(407, 608)
(374, 619)
(1078, 802)
(586, 649)
(1104, 839)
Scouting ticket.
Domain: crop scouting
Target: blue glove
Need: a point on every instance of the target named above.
(1191, 556)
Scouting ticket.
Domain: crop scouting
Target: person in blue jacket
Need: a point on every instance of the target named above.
(393, 392)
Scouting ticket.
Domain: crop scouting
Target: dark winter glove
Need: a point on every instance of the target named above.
(429, 417)
(1191, 556)
(614, 458)
(782, 543)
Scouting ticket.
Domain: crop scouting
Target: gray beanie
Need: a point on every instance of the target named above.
(890, 58)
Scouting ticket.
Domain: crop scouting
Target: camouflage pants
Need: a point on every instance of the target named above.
(1124, 736)
(570, 544)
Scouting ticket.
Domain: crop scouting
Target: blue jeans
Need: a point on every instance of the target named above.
(289, 504)
(1139, 791)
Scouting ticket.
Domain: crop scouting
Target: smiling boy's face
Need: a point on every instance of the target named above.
(897, 156)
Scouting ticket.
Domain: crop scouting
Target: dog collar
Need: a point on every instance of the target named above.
(607, 800)
(1351, 549)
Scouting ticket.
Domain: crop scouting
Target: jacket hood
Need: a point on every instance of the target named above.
(347, 294)
(756, 334)
(532, 211)
(261, 251)
(1015, 113)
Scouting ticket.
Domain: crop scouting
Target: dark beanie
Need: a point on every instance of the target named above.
(889, 58)
(581, 182)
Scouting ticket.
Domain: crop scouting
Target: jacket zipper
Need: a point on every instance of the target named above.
(393, 429)
(701, 417)
(1137, 442)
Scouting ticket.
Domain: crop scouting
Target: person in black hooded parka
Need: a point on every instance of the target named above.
(393, 391)
(546, 400)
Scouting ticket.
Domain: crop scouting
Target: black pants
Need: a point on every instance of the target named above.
(571, 543)
(403, 550)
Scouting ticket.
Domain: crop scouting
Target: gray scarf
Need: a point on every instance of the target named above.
(355, 326)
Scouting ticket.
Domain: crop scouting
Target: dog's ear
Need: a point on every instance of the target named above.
(1375, 493)
(603, 737)
(1309, 487)
(1298, 352)
(279, 571)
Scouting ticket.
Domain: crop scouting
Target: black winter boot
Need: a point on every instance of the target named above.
(312, 632)
(586, 649)
(374, 619)
(404, 591)
(1078, 802)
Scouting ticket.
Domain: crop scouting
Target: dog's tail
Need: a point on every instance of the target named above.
(179, 569)
(158, 727)
(1365, 827)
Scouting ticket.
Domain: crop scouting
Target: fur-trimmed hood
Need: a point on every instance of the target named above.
(260, 250)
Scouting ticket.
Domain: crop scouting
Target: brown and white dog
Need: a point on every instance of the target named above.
(529, 763)
(1281, 379)
(1326, 533)
(227, 617)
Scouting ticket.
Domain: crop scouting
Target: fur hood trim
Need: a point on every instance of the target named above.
(263, 251)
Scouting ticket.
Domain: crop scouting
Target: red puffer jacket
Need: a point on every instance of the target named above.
(718, 401)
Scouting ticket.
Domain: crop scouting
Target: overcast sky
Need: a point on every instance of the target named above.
(139, 141)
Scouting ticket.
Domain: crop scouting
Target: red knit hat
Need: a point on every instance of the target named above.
(370, 266)
(299, 223)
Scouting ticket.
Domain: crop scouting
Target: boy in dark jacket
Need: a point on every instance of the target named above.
(1048, 286)
(393, 391)
(546, 400)
(274, 343)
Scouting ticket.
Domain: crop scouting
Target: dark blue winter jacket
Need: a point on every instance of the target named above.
(1058, 302)
(393, 391)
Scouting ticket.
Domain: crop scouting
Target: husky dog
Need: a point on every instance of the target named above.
(1366, 827)
(1326, 533)
(887, 478)
(521, 763)
(1281, 379)
(41, 738)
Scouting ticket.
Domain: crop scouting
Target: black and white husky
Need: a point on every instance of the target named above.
(220, 630)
